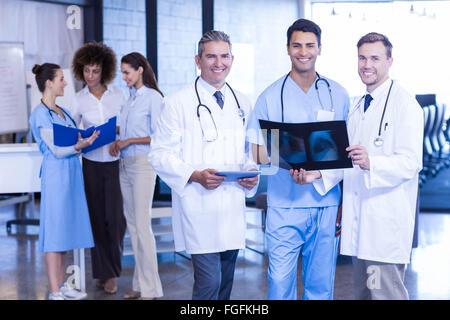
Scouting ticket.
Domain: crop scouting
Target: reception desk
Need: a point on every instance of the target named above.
(20, 164)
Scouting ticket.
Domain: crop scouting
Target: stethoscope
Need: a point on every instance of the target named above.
(65, 113)
(241, 112)
(378, 141)
(316, 86)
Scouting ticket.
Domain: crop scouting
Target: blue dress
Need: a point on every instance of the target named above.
(64, 215)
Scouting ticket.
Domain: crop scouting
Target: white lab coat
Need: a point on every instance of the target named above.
(379, 205)
(204, 221)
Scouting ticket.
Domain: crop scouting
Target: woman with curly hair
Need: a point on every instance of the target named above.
(95, 65)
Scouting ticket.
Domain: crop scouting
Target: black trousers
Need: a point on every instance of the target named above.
(104, 199)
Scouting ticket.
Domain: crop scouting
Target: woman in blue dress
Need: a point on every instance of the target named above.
(64, 216)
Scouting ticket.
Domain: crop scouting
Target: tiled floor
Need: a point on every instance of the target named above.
(23, 273)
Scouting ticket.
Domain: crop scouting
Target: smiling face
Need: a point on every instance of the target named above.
(131, 76)
(92, 75)
(57, 84)
(215, 62)
(303, 49)
(373, 64)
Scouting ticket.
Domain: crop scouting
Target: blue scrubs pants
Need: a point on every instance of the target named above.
(312, 232)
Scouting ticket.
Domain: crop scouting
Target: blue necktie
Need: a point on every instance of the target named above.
(367, 100)
(219, 99)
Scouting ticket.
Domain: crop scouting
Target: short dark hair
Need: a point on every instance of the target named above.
(95, 53)
(305, 26)
(373, 37)
(44, 72)
(136, 60)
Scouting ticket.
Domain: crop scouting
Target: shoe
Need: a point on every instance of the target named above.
(100, 283)
(110, 286)
(56, 296)
(72, 294)
(132, 295)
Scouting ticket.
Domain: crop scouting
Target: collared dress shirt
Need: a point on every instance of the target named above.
(138, 118)
(88, 111)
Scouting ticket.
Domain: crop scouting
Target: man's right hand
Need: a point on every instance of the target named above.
(207, 178)
(303, 177)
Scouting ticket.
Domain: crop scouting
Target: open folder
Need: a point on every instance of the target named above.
(311, 146)
(67, 136)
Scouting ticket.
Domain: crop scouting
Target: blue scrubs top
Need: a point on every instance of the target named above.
(299, 107)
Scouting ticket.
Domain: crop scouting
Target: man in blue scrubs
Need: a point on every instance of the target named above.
(299, 219)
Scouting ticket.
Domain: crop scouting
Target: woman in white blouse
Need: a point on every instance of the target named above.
(95, 64)
(137, 178)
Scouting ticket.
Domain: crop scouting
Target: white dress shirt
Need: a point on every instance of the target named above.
(138, 119)
(88, 111)
(211, 90)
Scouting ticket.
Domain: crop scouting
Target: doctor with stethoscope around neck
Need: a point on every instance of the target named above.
(201, 131)
(373, 72)
(215, 65)
(380, 191)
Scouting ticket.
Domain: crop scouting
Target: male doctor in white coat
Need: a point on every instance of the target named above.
(380, 192)
(201, 131)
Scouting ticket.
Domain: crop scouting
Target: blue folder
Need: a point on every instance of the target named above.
(67, 136)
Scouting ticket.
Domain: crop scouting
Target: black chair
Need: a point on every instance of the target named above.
(436, 152)
(20, 201)
(447, 130)
(428, 155)
(261, 203)
(426, 99)
(426, 145)
(442, 143)
(429, 114)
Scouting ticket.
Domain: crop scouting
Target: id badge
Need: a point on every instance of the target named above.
(323, 115)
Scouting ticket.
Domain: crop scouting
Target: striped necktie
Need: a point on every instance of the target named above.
(218, 96)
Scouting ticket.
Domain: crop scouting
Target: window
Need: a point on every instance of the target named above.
(416, 29)
(257, 29)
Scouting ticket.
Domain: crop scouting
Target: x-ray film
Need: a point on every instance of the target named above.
(311, 146)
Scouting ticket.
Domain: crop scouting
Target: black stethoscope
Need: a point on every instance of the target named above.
(378, 142)
(241, 112)
(65, 113)
(316, 86)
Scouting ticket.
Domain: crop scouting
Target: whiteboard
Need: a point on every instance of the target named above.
(13, 99)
